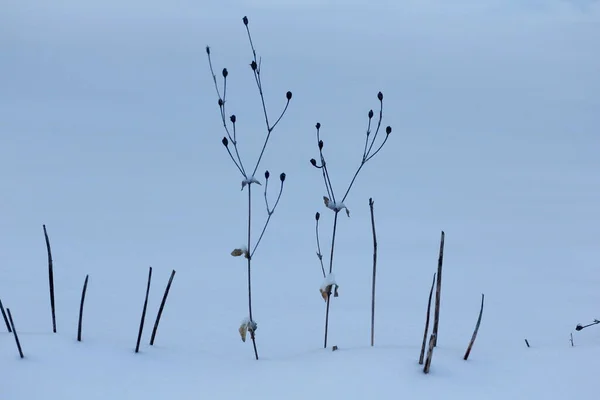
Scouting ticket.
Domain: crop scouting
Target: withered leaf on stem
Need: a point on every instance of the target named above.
(326, 201)
(243, 330)
(238, 252)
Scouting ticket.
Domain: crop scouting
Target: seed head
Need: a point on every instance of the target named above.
(225, 142)
(253, 65)
(320, 145)
(317, 216)
(267, 174)
(313, 162)
(370, 114)
(388, 130)
(245, 19)
(318, 125)
(208, 50)
(233, 118)
(288, 95)
(380, 96)
(282, 177)
(225, 73)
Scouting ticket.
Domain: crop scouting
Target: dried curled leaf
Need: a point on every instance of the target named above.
(243, 330)
(326, 201)
(237, 252)
(325, 292)
(348, 213)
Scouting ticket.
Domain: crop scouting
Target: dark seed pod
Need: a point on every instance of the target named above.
(267, 174)
(318, 125)
(313, 162)
(253, 65)
(208, 50)
(288, 95)
(225, 142)
(220, 102)
(245, 19)
(225, 73)
(317, 216)
(370, 114)
(233, 118)
(282, 176)
(320, 145)
(388, 130)
(380, 96)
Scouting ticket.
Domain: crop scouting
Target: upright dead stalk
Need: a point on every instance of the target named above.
(438, 291)
(139, 338)
(475, 331)
(79, 326)
(374, 273)
(51, 279)
(422, 355)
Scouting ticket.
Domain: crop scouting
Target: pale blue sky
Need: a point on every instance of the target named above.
(110, 134)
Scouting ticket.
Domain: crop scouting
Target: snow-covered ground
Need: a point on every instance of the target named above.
(110, 135)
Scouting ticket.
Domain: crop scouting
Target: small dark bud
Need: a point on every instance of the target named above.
(233, 119)
(317, 216)
(370, 114)
(380, 96)
(318, 125)
(288, 95)
(208, 50)
(225, 142)
(313, 162)
(320, 145)
(225, 73)
(282, 176)
(253, 65)
(388, 130)
(245, 19)
(578, 327)
(267, 174)
(220, 102)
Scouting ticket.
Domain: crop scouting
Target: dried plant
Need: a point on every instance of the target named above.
(230, 141)
(337, 204)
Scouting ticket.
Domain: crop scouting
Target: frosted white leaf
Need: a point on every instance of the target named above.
(248, 181)
(328, 281)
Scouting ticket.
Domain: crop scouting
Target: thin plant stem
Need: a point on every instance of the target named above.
(50, 279)
(335, 219)
(424, 344)
(161, 307)
(374, 273)
(80, 324)
(249, 257)
(472, 341)
(319, 254)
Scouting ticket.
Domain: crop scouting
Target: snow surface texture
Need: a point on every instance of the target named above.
(110, 135)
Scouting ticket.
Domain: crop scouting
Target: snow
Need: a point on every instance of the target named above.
(110, 136)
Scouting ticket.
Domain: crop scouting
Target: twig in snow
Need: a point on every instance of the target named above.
(572, 344)
(8, 328)
(476, 330)
(162, 306)
(429, 354)
(424, 344)
(139, 339)
(438, 291)
(51, 279)
(374, 273)
(14, 331)
(79, 326)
